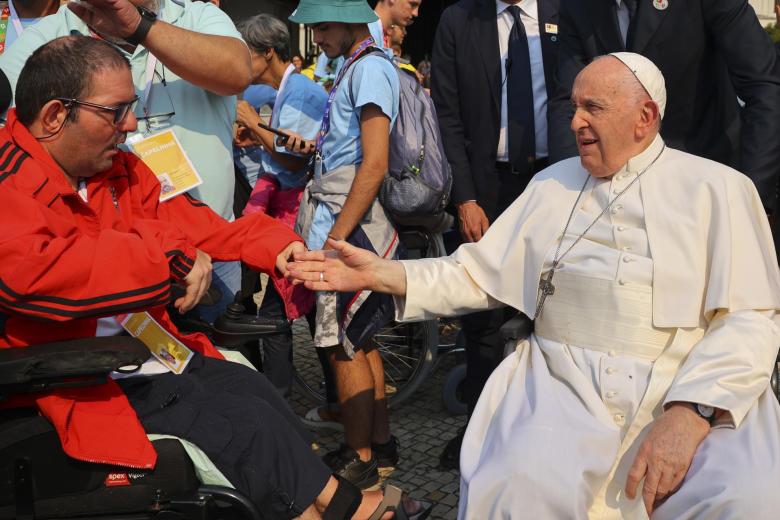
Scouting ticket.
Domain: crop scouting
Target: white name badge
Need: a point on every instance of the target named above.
(551, 28)
(163, 154)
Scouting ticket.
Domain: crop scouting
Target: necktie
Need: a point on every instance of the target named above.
(631, 5)
(520, 98)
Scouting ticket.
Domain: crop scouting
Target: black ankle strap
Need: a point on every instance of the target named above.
(345, 501)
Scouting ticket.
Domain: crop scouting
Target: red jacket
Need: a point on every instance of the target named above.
(66, 263)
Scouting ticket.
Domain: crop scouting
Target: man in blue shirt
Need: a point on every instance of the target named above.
(350, 163)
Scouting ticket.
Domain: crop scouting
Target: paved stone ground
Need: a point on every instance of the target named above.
(423, 427)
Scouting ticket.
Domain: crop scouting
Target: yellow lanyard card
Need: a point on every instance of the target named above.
(163, 154)
(164, 347)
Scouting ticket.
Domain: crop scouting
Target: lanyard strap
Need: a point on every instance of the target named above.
(15, 19)
(151, 63)
(325, 127)
(282, 86)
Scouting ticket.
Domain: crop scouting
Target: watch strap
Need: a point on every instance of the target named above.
(142, 30)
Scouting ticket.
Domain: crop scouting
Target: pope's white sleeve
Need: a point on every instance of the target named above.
(730, 367)
(439, 287)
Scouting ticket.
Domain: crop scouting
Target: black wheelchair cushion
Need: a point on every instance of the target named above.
(64, 487)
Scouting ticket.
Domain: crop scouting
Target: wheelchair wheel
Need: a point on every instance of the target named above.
(775, 381)
(408, 353)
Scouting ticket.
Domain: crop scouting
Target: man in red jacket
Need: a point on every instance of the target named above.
(84, 240)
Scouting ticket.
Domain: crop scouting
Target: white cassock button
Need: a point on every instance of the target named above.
(610, 394)
(618, 418)
(626, 248)
(612, 353)
(610, 370)
(616, 191)
(622, 282)
(616, 209)
(621, 228)
(627, 259)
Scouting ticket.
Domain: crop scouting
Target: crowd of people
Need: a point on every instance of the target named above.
(615, 169)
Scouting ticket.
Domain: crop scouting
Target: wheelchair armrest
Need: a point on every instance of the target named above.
(517, 328)
(235, 329)
(68, 363)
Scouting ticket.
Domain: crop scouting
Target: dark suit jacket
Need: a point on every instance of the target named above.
(466, 89)
(710, 52)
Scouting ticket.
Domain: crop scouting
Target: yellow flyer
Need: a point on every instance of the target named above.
(168, 350)
(164, 155)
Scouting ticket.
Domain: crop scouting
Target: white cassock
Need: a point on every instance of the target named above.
(671, 296)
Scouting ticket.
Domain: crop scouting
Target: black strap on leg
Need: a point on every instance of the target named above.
(345, 501)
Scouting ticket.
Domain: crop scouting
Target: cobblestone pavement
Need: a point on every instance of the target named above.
(423, 427)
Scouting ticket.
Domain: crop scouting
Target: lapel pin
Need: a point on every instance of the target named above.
(551, 28)
(661, 5)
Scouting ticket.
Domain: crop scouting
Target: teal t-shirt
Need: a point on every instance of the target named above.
(203, 121)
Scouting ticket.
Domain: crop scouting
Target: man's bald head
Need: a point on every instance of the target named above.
(615, 117)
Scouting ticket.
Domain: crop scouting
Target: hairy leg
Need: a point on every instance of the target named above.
(355, 385)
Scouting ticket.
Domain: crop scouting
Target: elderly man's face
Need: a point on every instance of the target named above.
(91, 140)
(403, 12)
(605, 118)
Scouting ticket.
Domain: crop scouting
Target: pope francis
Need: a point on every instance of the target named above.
(652, 278)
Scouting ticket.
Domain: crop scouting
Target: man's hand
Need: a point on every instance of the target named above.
(473, 221)
(666, 454)
(296, 143)
(246, 115)
(196, 283)
(114, 18)
(343, 267)
(286, 256)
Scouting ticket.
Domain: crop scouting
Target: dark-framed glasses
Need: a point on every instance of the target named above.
(120, 111)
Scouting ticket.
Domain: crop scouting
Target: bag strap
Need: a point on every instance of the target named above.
(370, 51)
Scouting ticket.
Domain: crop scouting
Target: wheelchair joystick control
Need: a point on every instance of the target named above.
(234, 311)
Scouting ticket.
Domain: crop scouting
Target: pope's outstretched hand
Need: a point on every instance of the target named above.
(343, 268)
(346, 268)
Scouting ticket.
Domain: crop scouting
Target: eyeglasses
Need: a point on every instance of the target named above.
(120, 111)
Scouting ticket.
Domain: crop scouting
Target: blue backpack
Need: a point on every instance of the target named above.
(419, 179)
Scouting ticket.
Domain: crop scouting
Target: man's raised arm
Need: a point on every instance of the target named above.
(219, 64)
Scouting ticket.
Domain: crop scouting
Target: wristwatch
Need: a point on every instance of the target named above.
(147, 20)
(705, 412)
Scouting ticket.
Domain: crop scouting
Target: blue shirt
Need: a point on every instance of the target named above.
(299, 108)
(203, 121)
(260, 95)
(374, 81)
(249, 159)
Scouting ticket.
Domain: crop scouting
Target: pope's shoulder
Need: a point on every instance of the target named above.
(693, 173)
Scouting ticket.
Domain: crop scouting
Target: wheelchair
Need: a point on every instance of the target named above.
(38, 480)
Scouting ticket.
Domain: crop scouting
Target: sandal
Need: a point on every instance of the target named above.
(391, 502)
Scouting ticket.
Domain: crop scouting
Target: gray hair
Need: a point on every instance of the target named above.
(263, 31)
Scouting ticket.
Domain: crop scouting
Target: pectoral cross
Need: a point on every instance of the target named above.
(546, 288)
